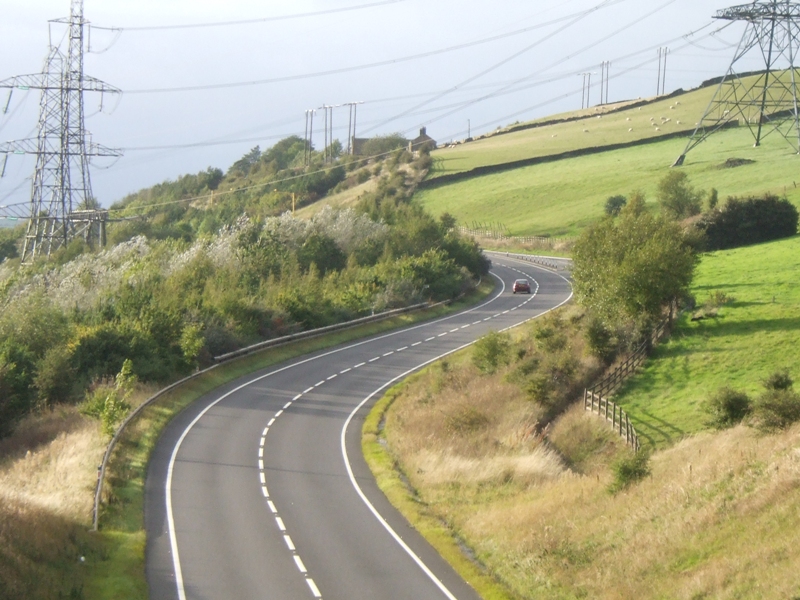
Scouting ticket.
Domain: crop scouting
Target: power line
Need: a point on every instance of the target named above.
(506, 60)
(365, 66)
(305, 15)
(555, 64)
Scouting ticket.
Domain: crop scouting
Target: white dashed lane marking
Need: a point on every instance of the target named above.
(313, 587)
(301, 567)
(262, 475)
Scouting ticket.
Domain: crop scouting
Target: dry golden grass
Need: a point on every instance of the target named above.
(57, 470)
(48, 472)
(718, 518)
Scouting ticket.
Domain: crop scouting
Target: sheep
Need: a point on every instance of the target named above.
(658, 128)
(628, 119)
(631, 129)
(652, 118)
(585, 131)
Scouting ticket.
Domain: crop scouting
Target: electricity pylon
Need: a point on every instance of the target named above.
(61, 181)
(766, 102)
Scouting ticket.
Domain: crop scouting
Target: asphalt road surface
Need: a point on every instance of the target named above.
(259, 490)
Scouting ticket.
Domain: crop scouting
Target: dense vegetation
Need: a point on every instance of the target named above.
(189, 282)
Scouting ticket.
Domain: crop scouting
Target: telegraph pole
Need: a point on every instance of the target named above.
(661, 82)
(61, 180)
(351, 127)
(605, 67)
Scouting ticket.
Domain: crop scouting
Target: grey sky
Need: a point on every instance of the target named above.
(549, 57)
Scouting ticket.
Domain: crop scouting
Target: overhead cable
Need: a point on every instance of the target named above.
(318, 13)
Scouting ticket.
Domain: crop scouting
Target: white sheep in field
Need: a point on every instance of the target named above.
(585, 131)
(555, 135)
(658, 128)
(631, 129)
(628, 119)
(677, 122)
(652, 118)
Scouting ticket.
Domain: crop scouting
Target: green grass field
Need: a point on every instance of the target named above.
(753, 336)
(598, 129)
(561, 198)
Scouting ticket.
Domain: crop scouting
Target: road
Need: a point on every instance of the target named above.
(260, 490)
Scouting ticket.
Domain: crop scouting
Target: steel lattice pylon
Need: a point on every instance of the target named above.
(61, 181)
(766, 101)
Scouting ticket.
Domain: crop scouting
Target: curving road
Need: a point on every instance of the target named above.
(260, 490)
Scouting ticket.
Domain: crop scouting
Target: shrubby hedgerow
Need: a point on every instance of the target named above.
(190, 283)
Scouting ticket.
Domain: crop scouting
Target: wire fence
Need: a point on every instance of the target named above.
(596, 399)
(498, 231)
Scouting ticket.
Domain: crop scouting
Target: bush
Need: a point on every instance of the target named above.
(776, 409)
(600, 341)
(108, 401)
(628, 470)
(615, 204)
(749, 221)
(491, 351)
(779, 380)
(728, 407)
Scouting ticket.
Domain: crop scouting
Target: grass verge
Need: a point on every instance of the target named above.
(716, 518)
(118, 571)
(395, 486)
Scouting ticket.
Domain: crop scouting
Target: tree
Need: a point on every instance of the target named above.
(627, 270)
(677, 197)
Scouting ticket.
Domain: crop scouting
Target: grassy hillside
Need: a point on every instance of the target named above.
(753, 335)
(597, 129)
(561, 198)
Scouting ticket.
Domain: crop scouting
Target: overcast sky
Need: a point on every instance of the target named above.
(530, 70)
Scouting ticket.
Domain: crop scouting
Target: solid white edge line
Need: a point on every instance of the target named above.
(348, 467)
(173, 538)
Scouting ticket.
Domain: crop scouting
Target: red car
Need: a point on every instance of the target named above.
(522, 286)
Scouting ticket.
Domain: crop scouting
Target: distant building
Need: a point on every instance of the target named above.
(423, 139)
